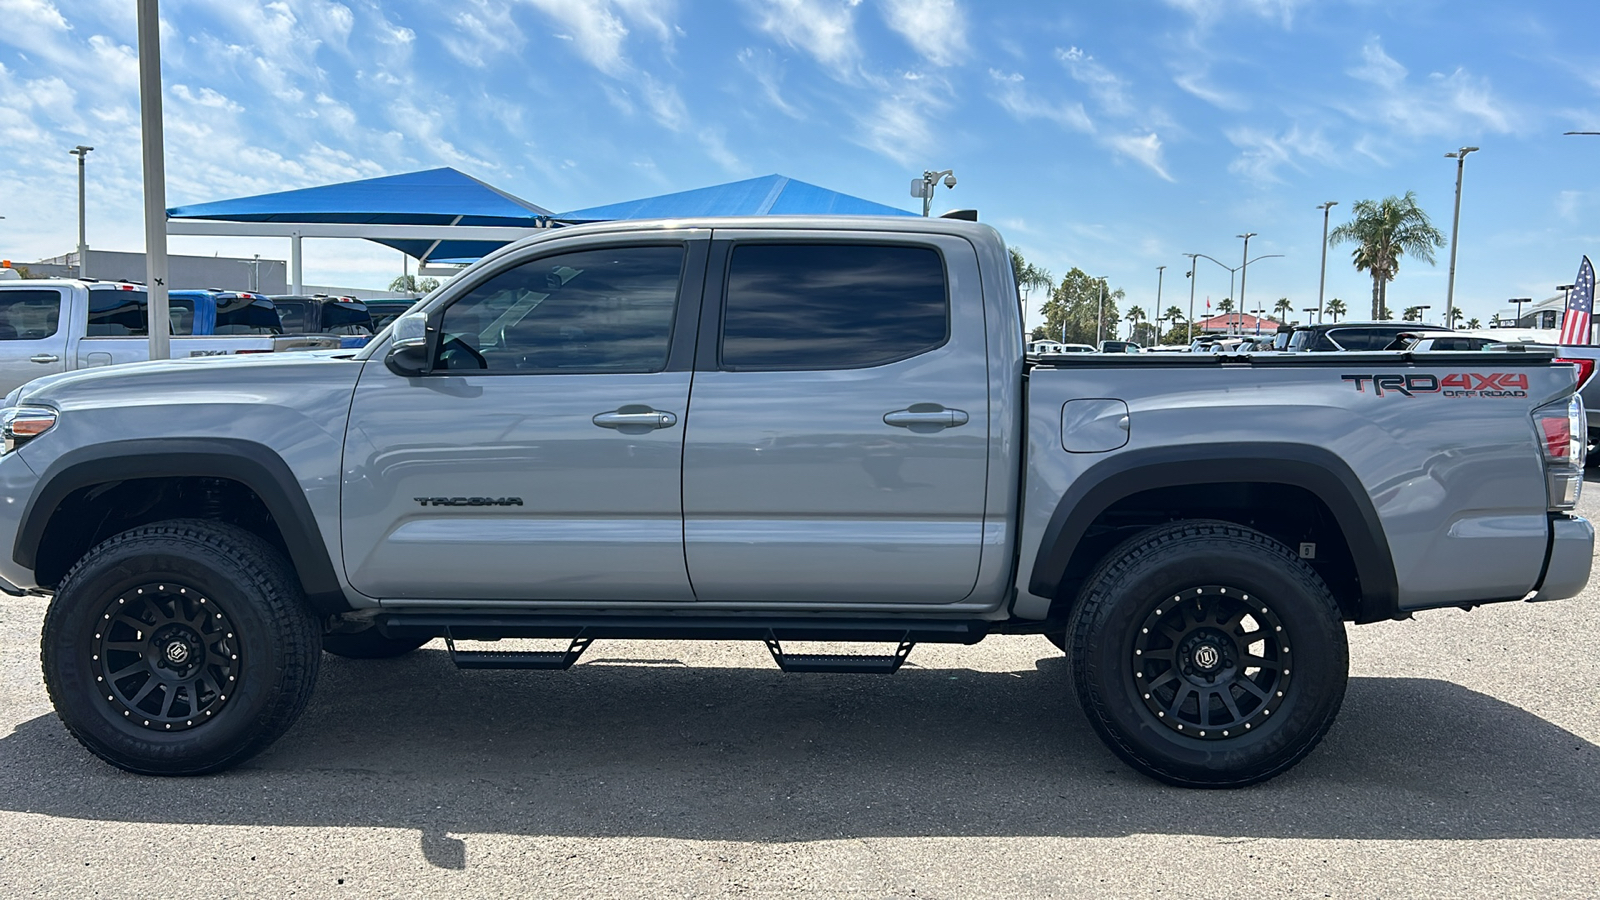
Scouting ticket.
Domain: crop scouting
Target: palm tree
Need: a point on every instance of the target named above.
(1283, 308)
(1383, 231)
(1135, 316)
(1474, 324)
(1455, 316)
(1029, 277)
(1412, 314)
(1335, 308)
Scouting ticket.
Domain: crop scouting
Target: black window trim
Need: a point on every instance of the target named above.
(708, 357)
(685, 313)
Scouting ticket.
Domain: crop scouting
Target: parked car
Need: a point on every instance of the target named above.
(1489, 339)
(1043, 348)
(61, 325)
(387, 310)
(1354, 336)
(585, 437)
(1119, 347)
(323, 314)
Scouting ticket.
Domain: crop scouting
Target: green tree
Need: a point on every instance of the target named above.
(1069, 314)
(1386, 314)
(1135, 316)
(1225, 305)
(1456, 315)
(1384, 231)
(1474, 324)
(1412, 314)
(1335, 308)
(1029, 278)
(1283, 308)
(409, 284)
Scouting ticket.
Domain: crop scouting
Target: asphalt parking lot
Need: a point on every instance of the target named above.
(1465, 763)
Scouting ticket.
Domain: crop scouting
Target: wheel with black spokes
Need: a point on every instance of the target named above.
(179, 648)
(1208, 655)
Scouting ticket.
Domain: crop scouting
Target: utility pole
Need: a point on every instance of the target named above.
(1100, 315)
(1161, 273)
(1460, 156)
(1194, 260)
(81, 152)
(1322, 282)
(1244, 264)
(155, 177)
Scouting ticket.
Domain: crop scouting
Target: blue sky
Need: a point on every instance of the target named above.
(1111, 136)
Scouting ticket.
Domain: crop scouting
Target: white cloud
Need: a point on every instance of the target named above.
(937, 29)
(823, 28)
(1449, 105)
(1015, 99)
(1263, 153)
(483, 29)
(595, 28)
(1105, 85)
(1208, 12)
(763, 67)
(898, 127)
(1142, 149)
(714, 140)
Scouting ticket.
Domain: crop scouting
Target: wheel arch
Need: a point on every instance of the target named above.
(254, 466)
(1314, 470)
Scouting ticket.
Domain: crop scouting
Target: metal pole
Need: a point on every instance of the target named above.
(81, 152)
(1161, 273)
(155, 177)
(1460, 156)
(1244, 265)
(295, 286)
(1322, 282)
(1194, 260)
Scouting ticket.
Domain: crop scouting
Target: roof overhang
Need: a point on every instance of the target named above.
(226, 228)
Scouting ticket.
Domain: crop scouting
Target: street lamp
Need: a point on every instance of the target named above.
(1161, 272)
(1460, 156)
(1322, 282)
(81, 152)
(1519, 301)
(1194, 258)
(1244, 265)
(923, 187)
(1099, 315)
(1422, 312)
(1308, 310)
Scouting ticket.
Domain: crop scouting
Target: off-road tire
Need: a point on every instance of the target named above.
(266, 659)
(370, 644)
(1117, 608)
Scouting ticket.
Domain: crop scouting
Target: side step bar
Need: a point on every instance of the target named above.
(491, 624)
(543, 660)
(864, 664)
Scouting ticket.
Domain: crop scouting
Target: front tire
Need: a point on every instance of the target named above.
(179, 648)
(1206, 654)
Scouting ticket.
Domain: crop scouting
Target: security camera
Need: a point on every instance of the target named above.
(949, 181)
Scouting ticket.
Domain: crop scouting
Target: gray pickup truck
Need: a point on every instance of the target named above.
(787, 430)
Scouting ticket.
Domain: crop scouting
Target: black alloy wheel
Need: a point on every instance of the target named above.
(167, 656)
(1206, 654)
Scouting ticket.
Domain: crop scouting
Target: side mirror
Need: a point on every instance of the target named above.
(408, 345)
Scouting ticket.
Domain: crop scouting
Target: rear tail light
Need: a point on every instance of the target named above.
(1585, 368)
(1562, 431)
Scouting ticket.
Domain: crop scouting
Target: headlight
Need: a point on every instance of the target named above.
(21, 424)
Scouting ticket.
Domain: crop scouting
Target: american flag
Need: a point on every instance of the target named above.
(1580, 306)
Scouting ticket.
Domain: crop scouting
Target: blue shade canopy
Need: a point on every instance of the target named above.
(770, 195)
(442, 196)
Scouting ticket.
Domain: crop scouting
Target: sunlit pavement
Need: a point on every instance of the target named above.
(1465, 763)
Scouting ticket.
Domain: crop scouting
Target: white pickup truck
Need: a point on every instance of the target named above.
(61, 325)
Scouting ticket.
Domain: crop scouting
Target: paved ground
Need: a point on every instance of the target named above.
(1465, 763)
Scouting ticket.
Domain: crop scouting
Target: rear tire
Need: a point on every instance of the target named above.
(1208, 655)
(370, 644)
(179, 648)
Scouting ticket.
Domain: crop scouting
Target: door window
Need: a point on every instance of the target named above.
(605, 310)
(832, 306)
(29, 315)
(117, 313)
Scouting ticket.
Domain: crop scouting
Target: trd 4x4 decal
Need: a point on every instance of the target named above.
(1456, 384)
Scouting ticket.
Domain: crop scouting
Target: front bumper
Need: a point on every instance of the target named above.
(17, 481)
(1571, 555)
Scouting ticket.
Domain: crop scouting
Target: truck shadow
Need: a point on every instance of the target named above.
(610, 749)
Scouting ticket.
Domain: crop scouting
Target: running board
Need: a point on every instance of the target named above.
(543, 660)
(846, 663)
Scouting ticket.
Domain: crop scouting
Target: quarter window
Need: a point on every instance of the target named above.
(592, 311)
(832, 306)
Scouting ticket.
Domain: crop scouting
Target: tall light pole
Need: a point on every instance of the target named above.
(81, 152)
(1322, 282)
(1244, 264)
(1100, 315)
(1519, 301)
(1161, 273)
(1194, 260)
(155, 178)
(1422, 312)
(1460, 156)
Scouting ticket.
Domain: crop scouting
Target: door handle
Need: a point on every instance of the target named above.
(44, 358)
(925, 416)
(635, 418)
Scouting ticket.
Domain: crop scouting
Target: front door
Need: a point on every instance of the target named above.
(33, 339)
(838, 447)
(540, 458)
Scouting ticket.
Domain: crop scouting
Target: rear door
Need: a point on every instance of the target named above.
(33, 336)
(836, 449)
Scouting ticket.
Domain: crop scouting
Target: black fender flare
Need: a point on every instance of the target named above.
(1314, 469)
(254, 465)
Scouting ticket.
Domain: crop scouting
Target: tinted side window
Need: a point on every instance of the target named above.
(1360, 338)
(29, 315)
(294, 316)
(592, 311)
(832, 306)
(247, 317)
(117, 314)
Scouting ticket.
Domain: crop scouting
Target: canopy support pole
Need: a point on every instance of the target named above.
(155, 179)
(295, 281)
